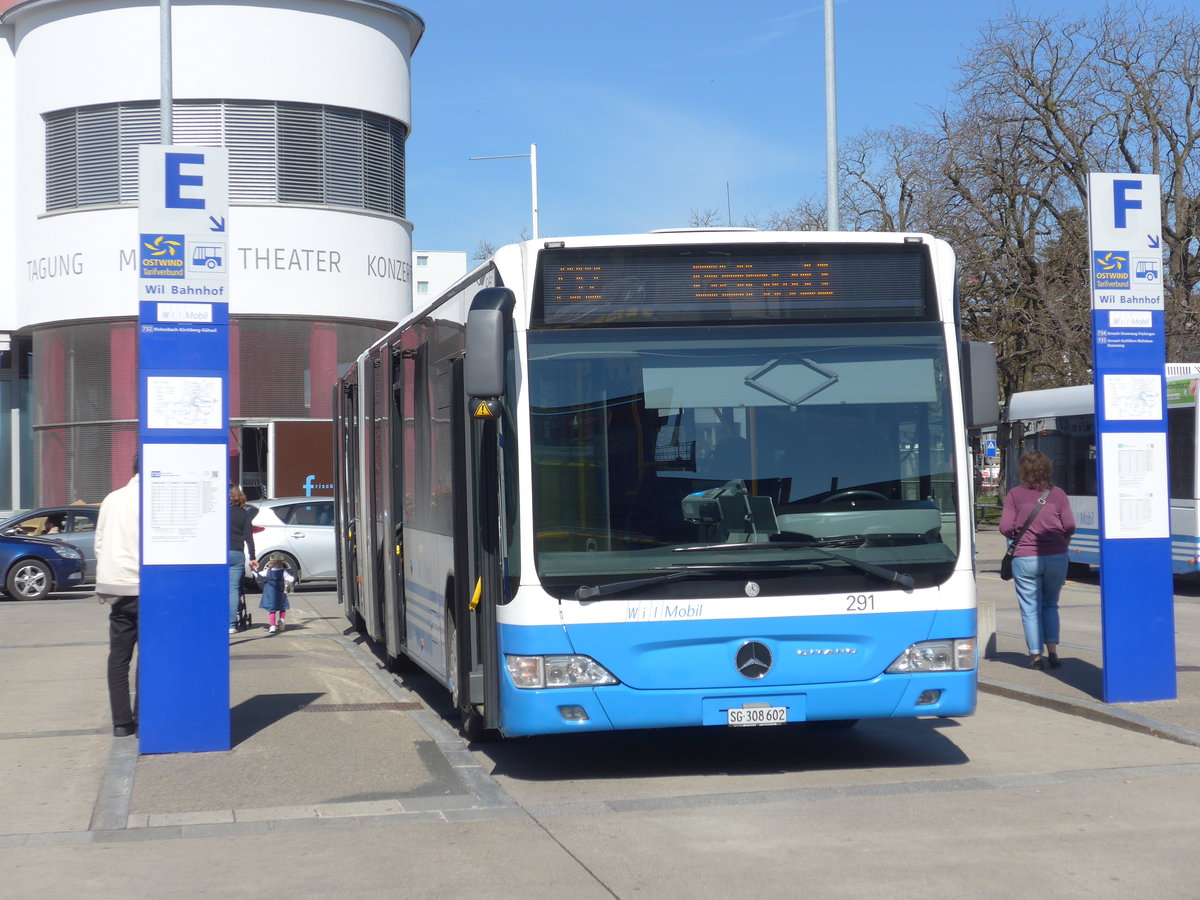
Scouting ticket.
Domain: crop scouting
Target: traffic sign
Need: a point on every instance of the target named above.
(183, 361)
(1128, 346)
(1126, 241)
(183, 252)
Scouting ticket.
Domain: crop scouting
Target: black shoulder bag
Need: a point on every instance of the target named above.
(1006, 563)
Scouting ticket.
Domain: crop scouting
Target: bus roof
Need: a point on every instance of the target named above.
(1078, 400)
(1065, 401)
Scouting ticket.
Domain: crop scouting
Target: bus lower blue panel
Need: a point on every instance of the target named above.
(702, 653)
(618, 707)
(1185, 551)
(688, 675)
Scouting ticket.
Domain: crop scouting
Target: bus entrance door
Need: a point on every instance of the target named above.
(345, 482)
(472, 633)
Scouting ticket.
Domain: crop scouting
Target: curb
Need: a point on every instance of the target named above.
(1090, 709)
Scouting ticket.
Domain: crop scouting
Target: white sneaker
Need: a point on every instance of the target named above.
(271, 630)
(232, 630)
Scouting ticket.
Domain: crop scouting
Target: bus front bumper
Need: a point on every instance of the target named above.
(619, 707)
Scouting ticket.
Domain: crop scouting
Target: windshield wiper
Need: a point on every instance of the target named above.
(905, 581)
(678, 573)
(588, 591)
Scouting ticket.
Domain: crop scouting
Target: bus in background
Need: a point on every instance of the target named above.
(682, 478)
(1061, 423)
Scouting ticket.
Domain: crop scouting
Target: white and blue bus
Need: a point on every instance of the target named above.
(672, 479)
(1061, 422)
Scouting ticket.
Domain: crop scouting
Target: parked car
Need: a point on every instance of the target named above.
(300, 531)
(32, 567)
(75, 524)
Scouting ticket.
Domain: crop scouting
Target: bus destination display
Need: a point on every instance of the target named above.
(647, 285)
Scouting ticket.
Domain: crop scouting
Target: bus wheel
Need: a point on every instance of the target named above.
(400, 663)
(472, 722)
(472, 726)
(456, 692)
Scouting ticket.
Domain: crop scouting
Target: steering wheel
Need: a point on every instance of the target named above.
(854, 492)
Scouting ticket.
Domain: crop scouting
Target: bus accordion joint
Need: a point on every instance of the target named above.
(477, 594)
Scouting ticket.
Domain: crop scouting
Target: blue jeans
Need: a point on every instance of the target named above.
(1039, 581)
(237, 568)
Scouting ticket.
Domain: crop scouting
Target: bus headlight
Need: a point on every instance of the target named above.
(534, 672)
(936, 656)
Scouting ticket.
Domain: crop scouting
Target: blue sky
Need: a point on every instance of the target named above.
(644, 111)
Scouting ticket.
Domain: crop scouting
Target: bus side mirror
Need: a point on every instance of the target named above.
(486, 339)
(981, 384)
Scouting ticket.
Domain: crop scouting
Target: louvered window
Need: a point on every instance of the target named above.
(278, 152)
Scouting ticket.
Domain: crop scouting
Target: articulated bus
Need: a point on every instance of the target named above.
(673, 479)
(1061, 422)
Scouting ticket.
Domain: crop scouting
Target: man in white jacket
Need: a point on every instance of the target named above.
(117, 584)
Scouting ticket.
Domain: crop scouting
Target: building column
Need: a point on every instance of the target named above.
(123, 389)
(51, 403)
(322, 369)
(235, 402)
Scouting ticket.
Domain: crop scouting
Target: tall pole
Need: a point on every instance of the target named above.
(831, 154)
(533, 179)
(533, 176)
(164, 63)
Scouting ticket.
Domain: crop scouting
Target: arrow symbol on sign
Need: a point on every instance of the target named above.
(1153, 239)
(217, 226)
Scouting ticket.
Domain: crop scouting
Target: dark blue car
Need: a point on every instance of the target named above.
(32, 567)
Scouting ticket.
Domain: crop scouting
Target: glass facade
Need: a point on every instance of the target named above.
(16, 433)
(85, 421)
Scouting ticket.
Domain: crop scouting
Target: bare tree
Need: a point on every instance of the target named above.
(1079, 96)
(1001, 173)
(705, 218)
(485, 249)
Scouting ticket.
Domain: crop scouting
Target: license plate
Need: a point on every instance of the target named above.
(757, 715)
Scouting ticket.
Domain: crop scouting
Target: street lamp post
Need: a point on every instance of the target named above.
(831, 151)
(533, 177)
(164, 65)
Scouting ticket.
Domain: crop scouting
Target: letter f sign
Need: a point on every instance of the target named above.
(1121, 203)
(308, 485)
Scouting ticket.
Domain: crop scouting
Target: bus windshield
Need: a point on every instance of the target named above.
(802, 458)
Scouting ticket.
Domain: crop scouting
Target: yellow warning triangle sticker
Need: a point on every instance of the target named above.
(483, 411)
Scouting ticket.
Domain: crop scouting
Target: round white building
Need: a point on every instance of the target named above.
(313, 105)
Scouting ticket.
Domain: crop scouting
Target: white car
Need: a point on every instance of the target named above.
(300, 530)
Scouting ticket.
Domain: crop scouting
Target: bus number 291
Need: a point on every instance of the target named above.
(860, 602)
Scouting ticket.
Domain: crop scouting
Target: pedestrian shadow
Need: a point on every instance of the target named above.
(1085, 677)
(251, 716)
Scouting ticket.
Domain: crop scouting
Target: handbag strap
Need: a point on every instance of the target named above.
(1028, 521)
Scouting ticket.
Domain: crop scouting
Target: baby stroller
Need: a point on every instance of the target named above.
(243, 611)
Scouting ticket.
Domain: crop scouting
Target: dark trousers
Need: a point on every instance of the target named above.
(122, 638)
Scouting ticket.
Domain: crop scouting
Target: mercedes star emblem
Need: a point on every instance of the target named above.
(753, 659)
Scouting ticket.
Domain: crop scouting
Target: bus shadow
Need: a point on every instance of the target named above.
(667, 752)
(689, 752)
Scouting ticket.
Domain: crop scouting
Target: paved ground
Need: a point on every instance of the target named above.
(1077, 687)
(344, 779)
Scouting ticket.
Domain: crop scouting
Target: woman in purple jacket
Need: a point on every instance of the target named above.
(1040, 559)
